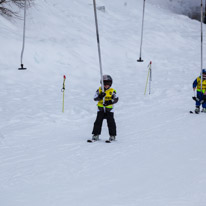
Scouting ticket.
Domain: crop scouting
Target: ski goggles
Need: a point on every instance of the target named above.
(107, 82)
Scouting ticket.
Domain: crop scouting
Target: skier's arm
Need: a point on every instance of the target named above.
(194, 84)
(115, 98)
(99, 96)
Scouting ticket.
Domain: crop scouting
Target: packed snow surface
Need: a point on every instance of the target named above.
(159, 157)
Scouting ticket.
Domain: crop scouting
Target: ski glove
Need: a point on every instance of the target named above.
(108, 103)
(101, 95)
(196, 99)
(202, 101)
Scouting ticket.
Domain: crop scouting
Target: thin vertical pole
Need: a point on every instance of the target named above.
(63, 89)
(63, 103)
(140, 54)
(201, 42)
(24, 32)
(146, 83)
(98, 45)
(205, 13)
(150, 77)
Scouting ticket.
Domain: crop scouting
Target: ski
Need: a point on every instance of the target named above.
(191, 112)
(91, 141)
(110, 141)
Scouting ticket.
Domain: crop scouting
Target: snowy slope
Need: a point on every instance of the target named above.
(178, 5)
(159, 157)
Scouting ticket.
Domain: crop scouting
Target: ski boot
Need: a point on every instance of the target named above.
(197, 110)
(204, 110)
(95, 137)
(112, 138)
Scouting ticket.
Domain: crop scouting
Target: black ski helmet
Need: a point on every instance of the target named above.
(107, 79)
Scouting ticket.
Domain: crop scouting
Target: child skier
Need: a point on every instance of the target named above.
(105, 109)
(201, 94)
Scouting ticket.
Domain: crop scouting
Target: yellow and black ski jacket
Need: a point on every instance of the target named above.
(111, 95)
(197, 83)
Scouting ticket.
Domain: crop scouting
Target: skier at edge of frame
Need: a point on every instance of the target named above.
(201, 95)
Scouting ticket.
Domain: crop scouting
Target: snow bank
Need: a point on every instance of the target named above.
(190, 8)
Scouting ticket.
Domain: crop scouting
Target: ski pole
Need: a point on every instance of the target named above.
(148, 75)
(24, 31)
(63, 88)
(98, 45)
(140, 54)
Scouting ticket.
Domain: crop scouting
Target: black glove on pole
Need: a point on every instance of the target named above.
(101, 95)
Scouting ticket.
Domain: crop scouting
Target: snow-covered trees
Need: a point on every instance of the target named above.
(8, 8)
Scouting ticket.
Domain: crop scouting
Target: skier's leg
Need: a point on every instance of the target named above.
(98, 123)
(204, 104)
(111, 123)
(199, 97)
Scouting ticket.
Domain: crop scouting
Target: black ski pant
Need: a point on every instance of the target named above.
(109, 116)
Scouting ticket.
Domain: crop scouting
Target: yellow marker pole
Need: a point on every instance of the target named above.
(63, 88)
(149, 66)
(150, 77)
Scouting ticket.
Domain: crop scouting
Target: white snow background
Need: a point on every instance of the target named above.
(159, 158)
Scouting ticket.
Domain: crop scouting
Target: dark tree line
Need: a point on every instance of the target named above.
(8, 8)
